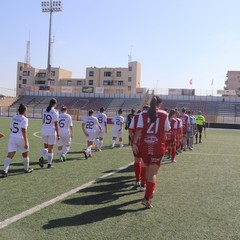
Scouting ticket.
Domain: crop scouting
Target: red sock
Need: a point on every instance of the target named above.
(181, 146)
(143, 176)
(173, 153)
(149, 190)
(137, 170)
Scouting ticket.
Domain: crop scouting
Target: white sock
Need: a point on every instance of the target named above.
(97, 143)
(44, 152)
(26, 163)
(60, 152)
(100, 144)
(88, 150)
(50, 158)
(66, 149)
(7, 162)
(113, 143)
(121, 143)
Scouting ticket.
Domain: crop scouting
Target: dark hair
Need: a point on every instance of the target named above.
(183, 110)
(63, 108)
(171, 113)
(156, 100)
(22, 108)
(146, 107)
(138, 111)
(90, 113)
(102, 109)
(52, 102)
(120, 111)
(132, 111)
(165, 109)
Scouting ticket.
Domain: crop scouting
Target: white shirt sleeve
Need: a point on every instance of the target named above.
(131, 126)
(140, 121)
(167, 126)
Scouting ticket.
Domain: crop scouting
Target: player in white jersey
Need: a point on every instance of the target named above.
(89, 126)
(118, 122)
(102, 120)
(18, 140)
(65, 132)
(49, 132)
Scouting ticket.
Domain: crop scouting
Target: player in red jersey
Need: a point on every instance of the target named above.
(179, 133)
(139, 166)
(151, 128)
(185, 122)
(171, 135)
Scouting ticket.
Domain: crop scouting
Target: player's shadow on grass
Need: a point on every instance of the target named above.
(108, 191)
(93, 216)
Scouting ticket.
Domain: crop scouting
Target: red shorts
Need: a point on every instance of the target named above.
(152, 160)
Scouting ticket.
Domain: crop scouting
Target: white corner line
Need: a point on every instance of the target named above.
(39, 207)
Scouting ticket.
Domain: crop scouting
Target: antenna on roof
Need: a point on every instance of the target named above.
(130, 55)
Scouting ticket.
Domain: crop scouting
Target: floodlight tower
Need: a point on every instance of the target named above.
(50, 7)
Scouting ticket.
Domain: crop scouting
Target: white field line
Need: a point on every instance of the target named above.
(39, 207)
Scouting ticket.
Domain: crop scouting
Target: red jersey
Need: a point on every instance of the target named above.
(153, 137)
(185, 122)
(174, 127)
(133, 124)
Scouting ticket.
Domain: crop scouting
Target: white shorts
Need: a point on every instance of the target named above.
(117, 134)
(65, 140)
(17, 143)
(49, 139)
(90, 137)
(100, 134)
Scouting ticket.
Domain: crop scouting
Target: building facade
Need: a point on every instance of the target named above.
(98, 80)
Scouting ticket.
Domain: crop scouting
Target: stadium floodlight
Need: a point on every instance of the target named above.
(50, 7)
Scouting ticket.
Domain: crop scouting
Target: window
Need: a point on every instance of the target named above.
(91, 73)
(130, 68)
(19, 85)
(129, 79)
(25, 73)
(129, 88)
(53, 73)
(79, 83)
(69, 82)
(119, 74)
(107, 83)
(40, 82)
(52, 82)
(44, 88)
(107, 74)
(41, 75)
(20, 68)
(90, 82)
(28, 73)
(20, 78)
(120, 83)
(24, 81)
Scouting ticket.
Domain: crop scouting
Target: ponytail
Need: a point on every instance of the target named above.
(22, 108)
(52, 102)
(156, 100)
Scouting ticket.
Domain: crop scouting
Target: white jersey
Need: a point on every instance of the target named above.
(102, 120)
(48, 118)
(64, 122)
(118, 121)
(90, 124)
(18, 122)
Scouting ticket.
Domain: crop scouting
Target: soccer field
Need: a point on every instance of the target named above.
(196, 198)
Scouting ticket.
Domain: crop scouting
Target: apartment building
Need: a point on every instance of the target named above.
(106, 80)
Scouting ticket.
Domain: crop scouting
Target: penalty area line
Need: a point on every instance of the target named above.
(43, 205)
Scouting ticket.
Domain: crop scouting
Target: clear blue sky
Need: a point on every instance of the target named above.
(174, 40)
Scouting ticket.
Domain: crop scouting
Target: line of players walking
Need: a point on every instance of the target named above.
(153, 133)
(58, 128)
